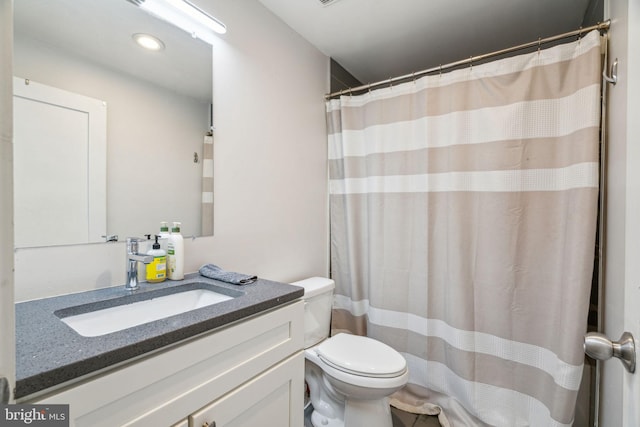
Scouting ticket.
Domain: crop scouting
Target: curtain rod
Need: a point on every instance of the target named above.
(601, 26)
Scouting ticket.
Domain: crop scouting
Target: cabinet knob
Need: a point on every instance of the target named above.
(206, 424)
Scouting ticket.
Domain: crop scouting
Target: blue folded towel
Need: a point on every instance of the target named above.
(214, 272)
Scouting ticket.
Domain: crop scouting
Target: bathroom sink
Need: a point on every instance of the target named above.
(94, 319)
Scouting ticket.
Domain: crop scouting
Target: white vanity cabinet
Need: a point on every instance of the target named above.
(250, 373)
(265, 400)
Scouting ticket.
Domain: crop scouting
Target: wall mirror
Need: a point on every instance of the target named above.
(158, 155)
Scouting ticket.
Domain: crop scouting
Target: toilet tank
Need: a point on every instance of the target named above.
(318, 299)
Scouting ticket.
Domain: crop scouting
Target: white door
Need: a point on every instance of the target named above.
(620, 390)
(7, 346)
(59, 159)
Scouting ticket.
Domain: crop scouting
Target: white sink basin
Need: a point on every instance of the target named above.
(105, 321)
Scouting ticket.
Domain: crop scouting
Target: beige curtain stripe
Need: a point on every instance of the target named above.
(207, 184)
(207, 150)
(344, 321)
(539, 153)
(536, 83)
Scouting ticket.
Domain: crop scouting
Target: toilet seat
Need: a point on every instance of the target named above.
(361, 356)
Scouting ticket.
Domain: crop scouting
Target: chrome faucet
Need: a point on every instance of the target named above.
(133, 257)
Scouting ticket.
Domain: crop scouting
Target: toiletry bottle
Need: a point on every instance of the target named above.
(164, 235)
(144, 246)
(175, 254)
(157, 270)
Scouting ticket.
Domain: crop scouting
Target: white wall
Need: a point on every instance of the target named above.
(631, 382)
(621, 390)
(7, 316)
(270, 189)
(611, 384)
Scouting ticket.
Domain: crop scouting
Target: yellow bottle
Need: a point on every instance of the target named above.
(157, 269)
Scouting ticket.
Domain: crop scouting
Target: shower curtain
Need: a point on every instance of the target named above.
(463, 221)
(206, 208)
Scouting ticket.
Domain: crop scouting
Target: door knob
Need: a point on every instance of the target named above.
(598, 346)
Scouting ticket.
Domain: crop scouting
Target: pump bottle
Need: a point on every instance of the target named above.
(157, 270)
(164, 235)
(175, 253)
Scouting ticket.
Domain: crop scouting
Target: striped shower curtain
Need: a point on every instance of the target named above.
(463, 222)
(206, 208)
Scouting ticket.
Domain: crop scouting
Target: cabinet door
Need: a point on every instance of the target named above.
(274, 398)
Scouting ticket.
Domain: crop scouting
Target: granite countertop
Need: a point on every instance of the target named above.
(50, 353)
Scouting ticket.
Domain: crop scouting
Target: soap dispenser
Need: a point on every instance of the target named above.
(175, 253)
(164, 234)
(143, 247)
(157, 270)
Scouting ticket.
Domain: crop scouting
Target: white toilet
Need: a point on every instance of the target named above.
(349, 377)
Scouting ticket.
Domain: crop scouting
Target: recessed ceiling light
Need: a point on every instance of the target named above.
(148, 41)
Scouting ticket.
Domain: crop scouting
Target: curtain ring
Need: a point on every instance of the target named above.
(369, 87)
(350, 93)
(390, 83)
(440, 70)
(580, 34)
(539, 42)
(471, 63)
(414, 76)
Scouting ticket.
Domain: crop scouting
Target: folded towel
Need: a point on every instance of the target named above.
(214, 272)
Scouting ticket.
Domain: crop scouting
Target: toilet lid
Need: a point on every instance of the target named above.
(361, 356)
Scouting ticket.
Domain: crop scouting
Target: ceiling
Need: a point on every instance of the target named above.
(100, 31)
(372, 39)
(378, 39)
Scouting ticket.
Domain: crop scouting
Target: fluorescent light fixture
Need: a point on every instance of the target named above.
(185, 15)
(148, 41)
(198, 15)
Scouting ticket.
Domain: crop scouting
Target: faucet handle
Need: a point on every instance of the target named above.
(132, 245)
(146, 259)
